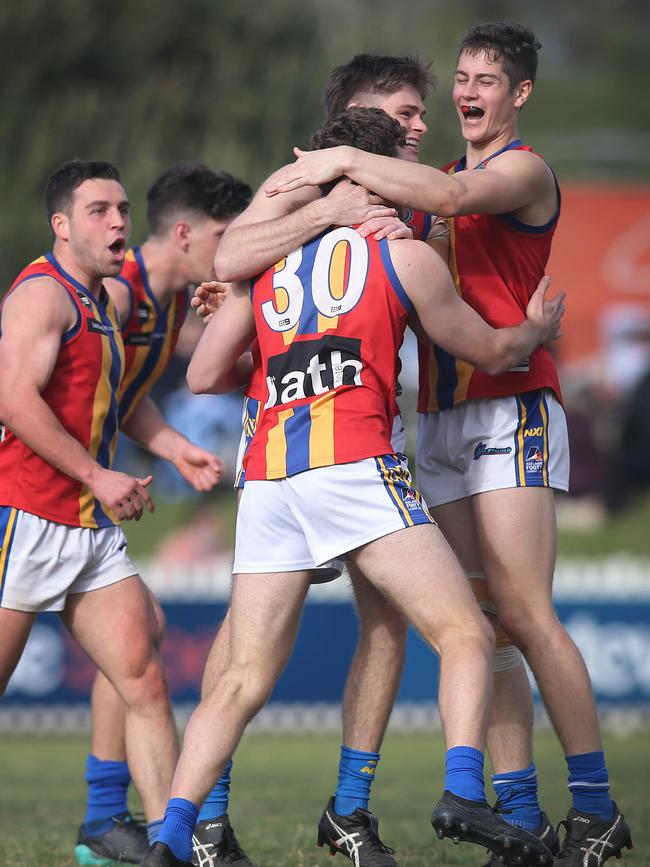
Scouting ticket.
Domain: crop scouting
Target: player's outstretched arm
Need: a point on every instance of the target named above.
(270, 229)
(513, 180)
(220, 363)
(452, 324)
(29, 348)
(147, 426)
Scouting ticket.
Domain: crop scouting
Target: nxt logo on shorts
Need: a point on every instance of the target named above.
(481, 450)
(313, 367)
(534, 432)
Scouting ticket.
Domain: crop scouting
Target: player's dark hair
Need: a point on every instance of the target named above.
(60, 186)
(192, 187)
(513, 44)
(369, 129)
(374, 73)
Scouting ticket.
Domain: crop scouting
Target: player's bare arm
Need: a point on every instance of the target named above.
(268, 230)
(511, 182)
(30, 344)
(199, 467)
(220, 362)
(452, 324)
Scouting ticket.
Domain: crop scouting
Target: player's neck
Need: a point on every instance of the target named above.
(91, 282)
(477, 151)
(162, 269)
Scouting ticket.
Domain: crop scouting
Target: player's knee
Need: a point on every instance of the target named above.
(246, 686)
(145, 685)
(525, 628)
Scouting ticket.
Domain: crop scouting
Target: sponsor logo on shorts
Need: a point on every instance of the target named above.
(313, 367)
(482, 449)
(534, 459)
(411, 500)
(534, 432)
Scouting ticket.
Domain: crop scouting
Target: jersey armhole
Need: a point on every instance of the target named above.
(129, 314)
(395, 282)
(72, 332)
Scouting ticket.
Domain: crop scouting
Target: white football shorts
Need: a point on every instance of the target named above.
(42, 562)
(490, 444)
(314, 517)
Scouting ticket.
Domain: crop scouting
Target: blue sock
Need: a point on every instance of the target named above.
(589, 784)
(178, 827)
(216, 804)
(356, 773)
(464, 775)
(517, 799)
(153, 829)
(107, 787)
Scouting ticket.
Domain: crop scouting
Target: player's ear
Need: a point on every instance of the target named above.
(522, 92)
(60, 223)
(181, 231)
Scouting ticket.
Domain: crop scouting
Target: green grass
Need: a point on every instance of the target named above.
(280, 786)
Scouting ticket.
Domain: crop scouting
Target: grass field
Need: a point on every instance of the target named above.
(280, 786)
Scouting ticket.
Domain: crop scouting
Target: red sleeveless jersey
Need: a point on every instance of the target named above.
(496, 262)
(150, 333)
(330, 319)
(420, 225)
(82, 394)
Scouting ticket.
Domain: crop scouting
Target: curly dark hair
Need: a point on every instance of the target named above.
(369, 129)
(513, 44)
(60, 186)
(192, 187)
(374, 73)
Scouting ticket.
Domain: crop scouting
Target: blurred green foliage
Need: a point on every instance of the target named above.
(236, 84)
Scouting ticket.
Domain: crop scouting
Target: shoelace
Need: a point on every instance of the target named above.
(502, 801)
(569, 843)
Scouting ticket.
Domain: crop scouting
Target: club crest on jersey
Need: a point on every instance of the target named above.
(312, 367)
(482, 449)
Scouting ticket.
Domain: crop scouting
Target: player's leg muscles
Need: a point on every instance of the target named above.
(100, 620)
(517, 535)
(417, 570)
(15, 627)
(509, 738)
(376, 669)
(264, 619)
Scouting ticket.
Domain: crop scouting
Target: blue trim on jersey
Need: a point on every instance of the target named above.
(112, 418)
(296, 431)
(427, 227)
(72, 331)
(508, 218)
(447, 378)
(536, 230)
(131, 294)
(395, 282)
(308, 322)
(5, 544)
